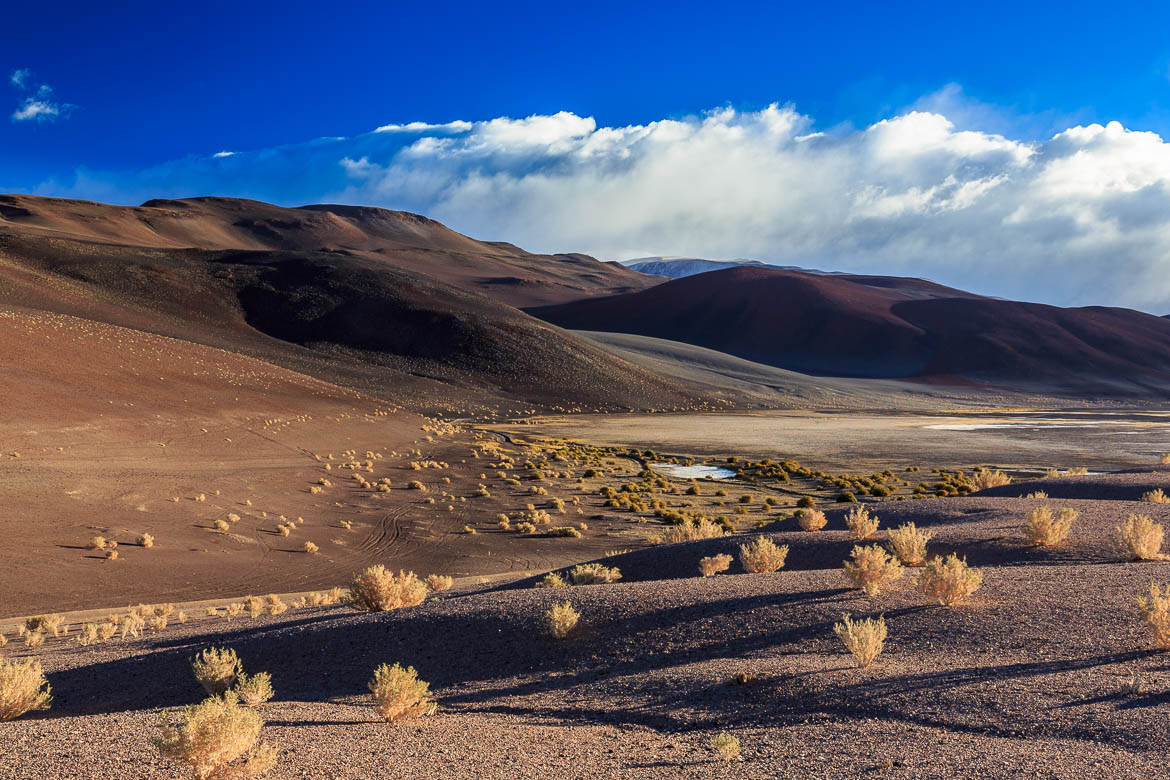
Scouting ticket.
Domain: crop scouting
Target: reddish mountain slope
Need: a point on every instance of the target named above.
(865, 326)
(398, 238)
(349, 318)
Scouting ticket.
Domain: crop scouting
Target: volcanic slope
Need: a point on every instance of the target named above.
(348, 319)
(888, 327)
(397, 238)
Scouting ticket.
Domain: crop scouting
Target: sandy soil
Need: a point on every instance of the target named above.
(1027, 678)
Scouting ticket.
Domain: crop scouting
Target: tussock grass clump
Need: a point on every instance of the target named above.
(145, 540)
(949, 580)
(988, 478)
(1155, 607)
(310, 548)
(725, 746)
(871, 569)
(255, 689)
(1143, 538)
(551, 580)
(23, 688)
(216, 669)
(563, 530)
(593, 574)
(811, 519)
(273, 605)
(561, 619)
(377, 589)
(222, 526)
(762, 556)
(1156, 496)
(1046, 530)
(1037, 494)
(690, 531)
(861, 523)
(525, 528)
(713, 564)
(399, 694)
(111, 555)
(437, 582)
(908, 542)
(864, 638)
(47, 623)
(414, 484)
(254, 606)
(97, 543)
(212, 737)
(1165, 459)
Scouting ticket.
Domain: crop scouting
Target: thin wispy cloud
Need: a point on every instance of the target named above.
(1076, 216)
(39, 106)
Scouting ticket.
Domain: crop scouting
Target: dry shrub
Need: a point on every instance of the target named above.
(111, 555)
(551, 580)
(1077, 471)
(864, 638)
(525, 528)
(725, 746)
(871, 569)
(283, 530)
(34, 638)
(1156, 496)
(1143, 538)
(690, 531)
(988, 478)
(594, 573)
(87, 635)
(47, 623)
(310, 548)
(1165, 459)
(23, 688)
(255, 689)
(861, 523)
(908, 542)
(212, 736)
(1045, 530)
(1155, 607)
(561, 619)
(949, 580)
(221, 525)
(1037, 494)
(254, 606)
(437, 582)
(273, 605)
(762, 556)
(713, 564)
(563, 530)
(416, 485)
(235, 609)
(399, 694)
(378, 589)
(97, 543)
(811, 519)
(216, 669)
(145, 540)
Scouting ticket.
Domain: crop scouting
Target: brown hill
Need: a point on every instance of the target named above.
(398, 238)
(868, 326)
(347, 317)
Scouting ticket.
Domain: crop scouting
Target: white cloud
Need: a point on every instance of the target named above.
(40, 110)
(38, 106)
(1078, 216)
(457, 126)
(224, 153)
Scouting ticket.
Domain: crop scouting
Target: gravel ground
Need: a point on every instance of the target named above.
(1027, 679)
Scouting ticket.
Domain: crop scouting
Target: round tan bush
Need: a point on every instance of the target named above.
(378, 589)
(762, 556)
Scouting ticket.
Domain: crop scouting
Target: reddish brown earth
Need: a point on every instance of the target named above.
(393, 238)
(1026, 679)
(348, 318)
(875, 326)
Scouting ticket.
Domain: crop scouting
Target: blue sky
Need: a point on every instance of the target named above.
(145, 94)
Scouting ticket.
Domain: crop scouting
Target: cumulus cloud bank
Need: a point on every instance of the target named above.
(1080, 217)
